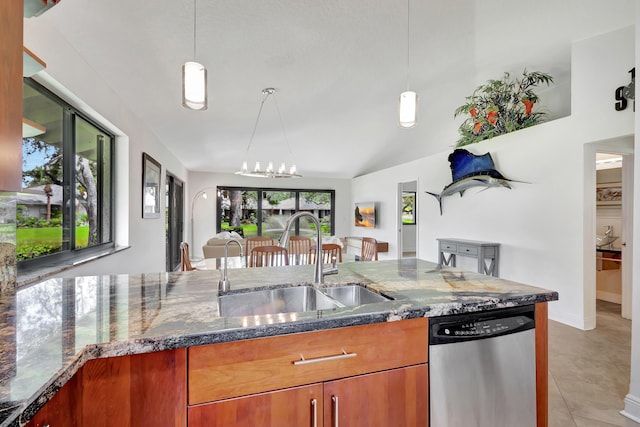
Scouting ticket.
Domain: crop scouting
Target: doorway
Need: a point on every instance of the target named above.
(608, 226)
(174, 221)
(407, 219)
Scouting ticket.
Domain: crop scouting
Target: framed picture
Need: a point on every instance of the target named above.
(150, 187)
(409, 207)
(365, 215)
(609, 193)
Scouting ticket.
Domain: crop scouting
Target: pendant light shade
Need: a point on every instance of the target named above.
(408, 109)
(194, 86)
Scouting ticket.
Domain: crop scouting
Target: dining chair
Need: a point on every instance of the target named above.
(299, 250)
(185, 263)
(369, 249)
(331, 251)
(256, 241)
(268, 256)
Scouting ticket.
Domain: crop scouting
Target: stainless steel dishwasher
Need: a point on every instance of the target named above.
(482, 370)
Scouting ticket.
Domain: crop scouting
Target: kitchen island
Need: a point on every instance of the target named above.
(56, 329)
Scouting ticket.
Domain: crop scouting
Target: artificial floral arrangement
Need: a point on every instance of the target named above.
(501, 106)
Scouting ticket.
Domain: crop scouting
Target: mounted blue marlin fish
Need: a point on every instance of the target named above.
(469, 170)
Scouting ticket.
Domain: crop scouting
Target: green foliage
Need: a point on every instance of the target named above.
(501, 106)
(33, 251)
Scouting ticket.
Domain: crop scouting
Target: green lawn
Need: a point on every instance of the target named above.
(51, 236)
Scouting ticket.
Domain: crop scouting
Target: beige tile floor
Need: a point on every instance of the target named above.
(589, 371)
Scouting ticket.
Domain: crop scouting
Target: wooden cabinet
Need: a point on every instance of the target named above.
(398, 397)
(144, 389)
(11, 22)
(377, 373)
(294, 407)
(63, 410)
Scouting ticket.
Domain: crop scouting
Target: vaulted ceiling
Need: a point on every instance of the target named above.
(338, 67)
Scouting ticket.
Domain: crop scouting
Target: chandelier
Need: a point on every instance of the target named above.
(269, 172)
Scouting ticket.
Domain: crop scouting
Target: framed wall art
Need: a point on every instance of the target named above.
(365, 215)
(609, 193)
(150, 187)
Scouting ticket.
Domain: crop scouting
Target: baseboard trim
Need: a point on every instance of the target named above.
(609, 297)
(631, 408)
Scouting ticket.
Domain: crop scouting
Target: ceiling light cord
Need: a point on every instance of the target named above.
(195, 7)
(284, 133)
(265, 94)
(408, 38)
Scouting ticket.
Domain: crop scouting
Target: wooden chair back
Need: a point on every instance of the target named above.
(268, 256)
(185, 263)
(299, 250)
(369, 249)
(256, 241)
(331, 251)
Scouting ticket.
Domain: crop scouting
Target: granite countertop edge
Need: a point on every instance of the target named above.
(23, 411)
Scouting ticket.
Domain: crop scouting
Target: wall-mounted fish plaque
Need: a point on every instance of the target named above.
(469, 170)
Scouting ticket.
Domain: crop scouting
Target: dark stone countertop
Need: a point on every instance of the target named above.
(50, 329)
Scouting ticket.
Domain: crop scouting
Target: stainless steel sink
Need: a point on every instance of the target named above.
(272, 301)
(353, 295)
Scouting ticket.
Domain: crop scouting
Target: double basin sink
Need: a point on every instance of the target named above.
(295, 299)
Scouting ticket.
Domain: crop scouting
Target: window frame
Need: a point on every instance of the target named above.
(69, 115)
(259, 214)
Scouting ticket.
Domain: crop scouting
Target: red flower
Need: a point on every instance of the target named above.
(477, 127)
(528, 105)
(492, 116)
(474, 112)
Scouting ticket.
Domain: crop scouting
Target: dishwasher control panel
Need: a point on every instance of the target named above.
(480, 325)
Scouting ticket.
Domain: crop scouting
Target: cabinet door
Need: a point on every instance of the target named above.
(294, 407)
(396, 398)
(63, 410)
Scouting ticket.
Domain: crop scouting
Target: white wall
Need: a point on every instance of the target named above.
(539, 222)
(74, 79)
(632, 400)
(204, 211)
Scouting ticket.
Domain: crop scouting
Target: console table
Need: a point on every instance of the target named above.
(488, 254)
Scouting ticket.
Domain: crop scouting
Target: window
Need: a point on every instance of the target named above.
(264, 211)
(66, 203)
(408, 207)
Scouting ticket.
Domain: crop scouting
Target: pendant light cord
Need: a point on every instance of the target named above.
(195, 7)
(408, 38)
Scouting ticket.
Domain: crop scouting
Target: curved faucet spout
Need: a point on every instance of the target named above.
(223, 284)
(318, 276)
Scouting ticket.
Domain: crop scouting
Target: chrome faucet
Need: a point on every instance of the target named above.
(319, 272)
(609, 231)
(223, 284)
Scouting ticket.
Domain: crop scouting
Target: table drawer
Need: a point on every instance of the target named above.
(448, 247)
(468, 250)
(220, 371)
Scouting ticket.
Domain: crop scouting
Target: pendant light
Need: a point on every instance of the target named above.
(269, 172)
(408, 103)
(194, 77)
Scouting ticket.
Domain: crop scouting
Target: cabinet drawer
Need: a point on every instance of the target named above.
(239, 368)
(470, 250)
(448, 247)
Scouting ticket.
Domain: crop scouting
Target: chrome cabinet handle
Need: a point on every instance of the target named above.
(334, 400)
(343, 355)
(314, 409)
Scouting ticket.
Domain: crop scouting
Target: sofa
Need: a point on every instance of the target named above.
(214, 247)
